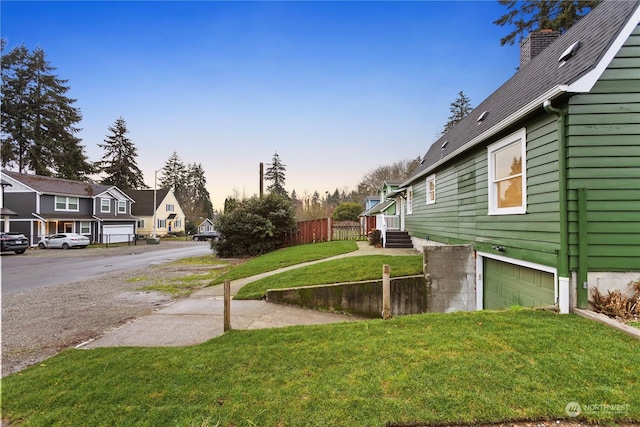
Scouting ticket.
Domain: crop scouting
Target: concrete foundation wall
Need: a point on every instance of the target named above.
(612, 281)
(408, 296)
(450, 272)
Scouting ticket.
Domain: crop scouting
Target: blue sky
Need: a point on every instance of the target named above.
(336, 88)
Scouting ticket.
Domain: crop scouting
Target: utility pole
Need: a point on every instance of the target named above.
(261, 179)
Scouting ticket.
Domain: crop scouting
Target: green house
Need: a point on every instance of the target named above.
(542, 179)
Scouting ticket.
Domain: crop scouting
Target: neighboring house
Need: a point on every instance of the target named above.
(46, 205)
(5, 213)
(389, 215)
(168, 213)
(543, 177)
(386, 211)
(206, 226)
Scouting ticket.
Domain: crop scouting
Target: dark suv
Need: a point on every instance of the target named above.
(14, 242)
(207, 235)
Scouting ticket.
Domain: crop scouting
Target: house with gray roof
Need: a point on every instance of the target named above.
(542, 180)
(159, 212)
(45, 205)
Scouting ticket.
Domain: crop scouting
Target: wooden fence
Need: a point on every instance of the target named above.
(323, 230)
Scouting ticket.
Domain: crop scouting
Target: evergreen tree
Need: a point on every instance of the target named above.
(119, 159)
(275, 174)
(174, 175)
(197, 198)
(38, 122)
(460, 108)
(532, 15)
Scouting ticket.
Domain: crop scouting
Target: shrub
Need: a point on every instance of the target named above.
(255, 226)
(347, 211)
(618, 305)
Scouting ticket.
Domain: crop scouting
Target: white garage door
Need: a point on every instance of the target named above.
(117, 233)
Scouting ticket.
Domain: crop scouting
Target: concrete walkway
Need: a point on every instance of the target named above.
(199, 317)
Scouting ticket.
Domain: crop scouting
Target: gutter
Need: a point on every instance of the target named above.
(503, 124)
(563, 255)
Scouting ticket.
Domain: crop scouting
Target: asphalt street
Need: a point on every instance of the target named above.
(22, 272)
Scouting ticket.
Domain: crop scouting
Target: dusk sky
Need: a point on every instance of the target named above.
(336, 88)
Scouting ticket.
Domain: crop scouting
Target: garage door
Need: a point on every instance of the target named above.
(117, 233)
(507, 285)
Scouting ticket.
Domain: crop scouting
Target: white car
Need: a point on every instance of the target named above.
(64, 241)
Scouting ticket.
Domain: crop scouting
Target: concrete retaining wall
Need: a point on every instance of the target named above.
(408, 296)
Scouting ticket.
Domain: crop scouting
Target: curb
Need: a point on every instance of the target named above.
(601, 318)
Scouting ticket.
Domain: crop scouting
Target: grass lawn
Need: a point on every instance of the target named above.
(350, 269)
(462, 367)
(286, 257)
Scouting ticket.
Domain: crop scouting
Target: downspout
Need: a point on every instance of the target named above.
(563, 256)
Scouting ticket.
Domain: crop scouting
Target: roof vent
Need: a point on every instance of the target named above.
(444, 144)
(482, 116)
(569, 53)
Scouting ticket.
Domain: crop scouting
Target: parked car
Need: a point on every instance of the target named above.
(207, 235)
(14, 242)
(64, 241)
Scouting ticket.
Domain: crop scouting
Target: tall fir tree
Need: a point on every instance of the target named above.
(459, 109)
(532, 15)
(174, 175)
(38, 125)
(275, 173)
(196, 201)
(119, 160)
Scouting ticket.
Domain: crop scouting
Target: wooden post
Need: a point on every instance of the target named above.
(227, 305)
(386, 292)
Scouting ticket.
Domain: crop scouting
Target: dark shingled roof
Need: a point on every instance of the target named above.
(596, 31)
(67, 187)
(143, 205)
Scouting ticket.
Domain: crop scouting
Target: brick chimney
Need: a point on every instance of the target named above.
(535, 43)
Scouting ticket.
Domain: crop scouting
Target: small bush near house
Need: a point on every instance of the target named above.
(255, 226)
(618, 305)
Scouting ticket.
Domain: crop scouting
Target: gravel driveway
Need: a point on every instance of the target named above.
(38, 323)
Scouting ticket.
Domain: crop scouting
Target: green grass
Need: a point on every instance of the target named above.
(634, 324)
(350, 269)
(444, 368)
(286, 257)
(183, 285)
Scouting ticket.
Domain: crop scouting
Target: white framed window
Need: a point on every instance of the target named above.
(85, 227)
(431, 189)
(177, 223)
(105, 205)
(507, 164)
(169, 207)
(141, 223)
(162, 223)
(122, 206)
(65, 203)
(409, 200)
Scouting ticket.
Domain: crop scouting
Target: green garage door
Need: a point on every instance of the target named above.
(506, 285)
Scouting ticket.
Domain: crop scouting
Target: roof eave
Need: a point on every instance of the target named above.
(499, 127)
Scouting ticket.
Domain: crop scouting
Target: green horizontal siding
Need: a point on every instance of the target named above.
(460, 212)
(603, 137)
